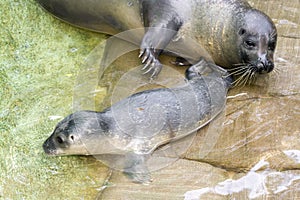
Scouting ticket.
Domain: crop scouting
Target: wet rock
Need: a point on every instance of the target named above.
(169, 183)
(255, 184)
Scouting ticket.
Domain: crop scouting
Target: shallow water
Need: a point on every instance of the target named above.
(256, 155)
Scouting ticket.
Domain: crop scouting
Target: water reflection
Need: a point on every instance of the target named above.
(255, 183)
(293, 154)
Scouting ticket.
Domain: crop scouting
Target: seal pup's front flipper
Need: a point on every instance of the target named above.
(136, 168)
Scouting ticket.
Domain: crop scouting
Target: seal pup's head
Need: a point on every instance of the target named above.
(257, 37)
(74, 134)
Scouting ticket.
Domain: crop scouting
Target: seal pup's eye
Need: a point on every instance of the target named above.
(59, 140)
(242, 31)
(250, 43)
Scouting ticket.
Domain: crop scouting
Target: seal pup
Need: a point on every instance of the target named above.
(235, 35)
(138, 125)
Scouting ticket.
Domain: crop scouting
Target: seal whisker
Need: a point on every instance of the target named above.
(238, 80)
(246, 78)
(277, 72)
(247, 75)
(239, 64)
(252, 73)
(252, 77)
(273, 34)
(238, 71)
(241, 71)
(237, 67)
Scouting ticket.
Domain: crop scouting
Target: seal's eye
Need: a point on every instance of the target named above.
(271, 46)
(242, 31)
(249, 43)
(59, 140)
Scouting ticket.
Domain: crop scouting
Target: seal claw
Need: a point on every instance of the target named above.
(146, 66)
(145, 58)
(151, 62)
(142, 51)
(155, 66)
(146, 72)
(156, 69)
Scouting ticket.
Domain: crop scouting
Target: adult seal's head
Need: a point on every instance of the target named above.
(237, 36)
(257, 38)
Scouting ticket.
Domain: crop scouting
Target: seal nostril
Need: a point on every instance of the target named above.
(265, 67)
(270, 67)
(261, 68)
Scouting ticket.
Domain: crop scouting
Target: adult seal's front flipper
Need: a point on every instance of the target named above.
(161, 22)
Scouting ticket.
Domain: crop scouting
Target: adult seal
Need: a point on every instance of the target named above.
(235, 35)
(135, 127)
